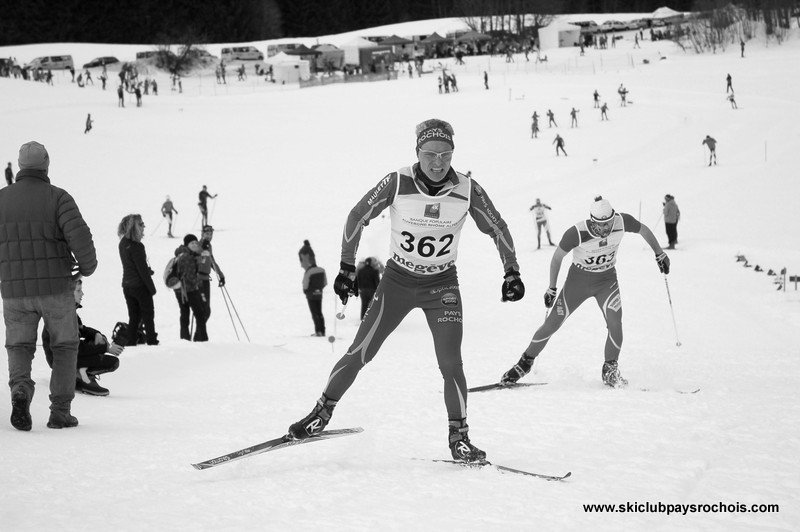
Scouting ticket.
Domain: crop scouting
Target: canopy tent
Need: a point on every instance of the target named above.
(666, 12)
(558, 35)
(434, 38)
(288, 69)
(472, 36)
(395, 40)
(330, 57)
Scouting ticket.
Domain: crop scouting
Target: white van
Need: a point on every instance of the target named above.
(241, 53)
(52, 62)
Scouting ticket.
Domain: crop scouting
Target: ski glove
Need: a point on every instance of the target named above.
(513, 289)
(663, 263)
(221, 282)
(550, 297)
(345, 283)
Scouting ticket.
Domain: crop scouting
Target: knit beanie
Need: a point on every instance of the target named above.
(189, 238)
(33, 156)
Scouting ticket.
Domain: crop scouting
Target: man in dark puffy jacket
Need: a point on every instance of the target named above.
(44, 246)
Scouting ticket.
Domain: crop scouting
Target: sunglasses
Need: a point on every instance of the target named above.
(442, 156)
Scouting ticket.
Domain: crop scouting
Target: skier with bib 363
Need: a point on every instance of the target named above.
(429, 203)
(594, 244)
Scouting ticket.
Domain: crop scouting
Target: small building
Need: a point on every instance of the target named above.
(559, 35)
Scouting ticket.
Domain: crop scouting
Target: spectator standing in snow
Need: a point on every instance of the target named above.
(45, 246)
(203, 203)
(559, 142)
(741, 43)
(166, 211)
(712, 148)
(314, 282)
(120, 96)
(89, 122)
(9, 174)
(540, 212)
(535, 126)
(729, 86)
(596, 99)
(137, 280)
(367, 279)
(190, 295)
(594, 244)
(205, 264)
(421, 274)
(604, 112)
(671, 216)
(96, 354)
(486, 80)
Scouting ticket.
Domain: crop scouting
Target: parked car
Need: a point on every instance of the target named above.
(100, 61)
(51, 62)
(242, 53)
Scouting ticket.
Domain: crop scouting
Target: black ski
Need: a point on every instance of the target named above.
(501, 386)
(273, 445)
(504, 469)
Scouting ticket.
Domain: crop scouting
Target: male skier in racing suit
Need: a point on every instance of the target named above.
(428, 204)
(594, 244)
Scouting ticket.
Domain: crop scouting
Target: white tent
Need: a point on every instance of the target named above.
(351, 48)
(288, 69)
(558, 35)
(665, 12)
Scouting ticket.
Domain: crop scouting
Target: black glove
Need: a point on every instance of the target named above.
(513, 289)
(550, 297)
(221, 282)
(663, 263)
(345, 283)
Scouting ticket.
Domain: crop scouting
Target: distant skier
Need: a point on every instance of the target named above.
(712, 148)
(89, 122)
(596, 99)
(166, 211)
(604, 112)
(120, 96)
(623, 95)
(672, 214)
(486, 80)
(535, 125)
(203, 203)
(732, 99)
(559, 142)
(551, 119)
(729, 87)
(574, 115)
(540, 211)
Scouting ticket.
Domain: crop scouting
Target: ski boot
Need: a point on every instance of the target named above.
(21, 411)
(313, 423)
(611, 375)
(520, 369)
(460, 447)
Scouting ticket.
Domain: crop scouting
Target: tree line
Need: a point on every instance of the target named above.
(217, 21)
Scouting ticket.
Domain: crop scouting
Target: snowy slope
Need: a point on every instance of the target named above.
(288, 165)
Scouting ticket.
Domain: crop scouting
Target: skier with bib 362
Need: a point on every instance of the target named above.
(594, 244)
(429, 203)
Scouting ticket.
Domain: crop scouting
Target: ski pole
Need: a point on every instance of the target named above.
(212, 211)
(341, 314)
(233, 323)
(157, 226)
(225, 290)
(674, 325)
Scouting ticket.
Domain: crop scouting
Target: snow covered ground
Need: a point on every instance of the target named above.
(288, 164)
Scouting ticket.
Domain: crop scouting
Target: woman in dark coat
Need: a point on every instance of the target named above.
(137, 280)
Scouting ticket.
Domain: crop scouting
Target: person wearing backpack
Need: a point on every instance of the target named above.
(188, 293)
